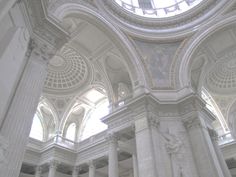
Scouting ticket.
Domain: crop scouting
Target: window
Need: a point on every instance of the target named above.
(94, 125)
(36, 129)
(70, 133)
(212, 106)
(157, 8)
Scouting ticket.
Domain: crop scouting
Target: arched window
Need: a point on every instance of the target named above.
(213, 107)
(71, 130)
(36, 129)
(94, 125)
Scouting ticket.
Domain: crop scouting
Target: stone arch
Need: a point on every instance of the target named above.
(185, 58)
(135, 69)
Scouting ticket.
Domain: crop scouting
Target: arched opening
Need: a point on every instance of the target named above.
(93, 123)
(71, 131)
(36, 131)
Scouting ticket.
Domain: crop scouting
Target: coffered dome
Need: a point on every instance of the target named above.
(157, 8)
(68, 71)
(222, 78)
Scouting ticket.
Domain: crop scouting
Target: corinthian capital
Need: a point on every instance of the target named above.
(40, 50)
(112, 137)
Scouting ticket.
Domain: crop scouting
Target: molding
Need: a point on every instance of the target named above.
(170, 28)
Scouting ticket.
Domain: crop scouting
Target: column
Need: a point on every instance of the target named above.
(206, 161)
(92, 168)
(75, 172)
(144, 145)
(13, 47)
(38, 171)
(16, 125)
(135, 165)
(52, 168)
(113, 168)
(214, 137)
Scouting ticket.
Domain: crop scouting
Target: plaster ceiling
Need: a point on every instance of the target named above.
(67, 70)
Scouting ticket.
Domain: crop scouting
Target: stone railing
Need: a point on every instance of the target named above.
(63, 142)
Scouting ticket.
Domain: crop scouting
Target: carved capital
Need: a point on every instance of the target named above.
(3, 148)
(213, 134)
(54, 164)
(192, 122)
(39, 51)
(153, 121)
(112, 137)
(91, 164)
(76, 170)
(38, 170)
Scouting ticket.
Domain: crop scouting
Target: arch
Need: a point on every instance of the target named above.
(231, 118)
(37, 130)
(68, 111)
(42, 103)
(71, 131)
(90, 14)
(94, 116)
(213, 107)
(185, 58)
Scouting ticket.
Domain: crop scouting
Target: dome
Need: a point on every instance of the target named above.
(157, 8)
(67, 71)
(222, 78)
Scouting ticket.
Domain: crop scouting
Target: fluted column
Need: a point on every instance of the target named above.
(206, 161)
(92, 168)
(214, 137)
(145, 151)
(17, 123)
(52, 168)
(113, 169)
(75, 172)
(135, 165)
(38, 171)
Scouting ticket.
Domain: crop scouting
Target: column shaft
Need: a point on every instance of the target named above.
(52, 169)
(38, 172)
(206, 161)
(145, 152)
(75, 172)
(113, 169)
(135, 165)
(92, 169)
(17, 123)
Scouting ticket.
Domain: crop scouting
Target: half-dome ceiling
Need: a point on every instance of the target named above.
(67, 71)
(157, 8)
(222, 78)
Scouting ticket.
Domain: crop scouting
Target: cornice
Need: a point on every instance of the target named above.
(41, 27)
(167, 29)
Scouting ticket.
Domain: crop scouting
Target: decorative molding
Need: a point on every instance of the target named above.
(171, 28)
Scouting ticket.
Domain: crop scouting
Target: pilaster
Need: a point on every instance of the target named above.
(16, 125)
